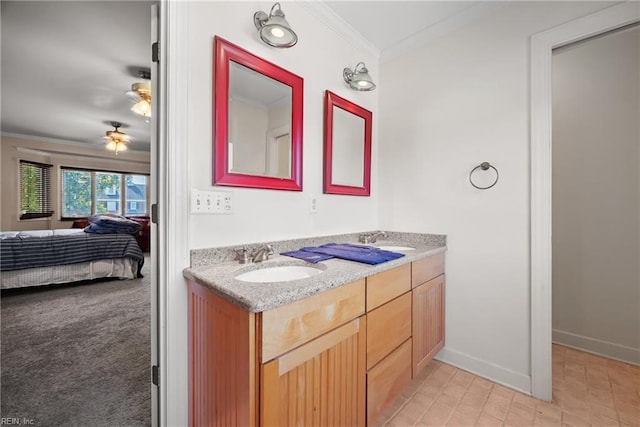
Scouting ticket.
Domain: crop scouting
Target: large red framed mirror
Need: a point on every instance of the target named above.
(257, 120)
(347, 147)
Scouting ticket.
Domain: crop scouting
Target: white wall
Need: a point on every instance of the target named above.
(445, 108)
(319, 58)
(57, 154)
(596, 195)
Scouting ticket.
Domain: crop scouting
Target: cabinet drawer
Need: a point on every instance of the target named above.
(387, 380)
(286, 327)
(385, 286)
(388, 326)
(426, 269)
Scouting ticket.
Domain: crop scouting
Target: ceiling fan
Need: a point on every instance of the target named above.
(116, 141)
(140, 93)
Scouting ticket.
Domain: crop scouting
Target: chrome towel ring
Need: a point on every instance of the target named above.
(484, 166)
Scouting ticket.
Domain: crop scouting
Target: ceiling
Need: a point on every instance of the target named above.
(67, 64)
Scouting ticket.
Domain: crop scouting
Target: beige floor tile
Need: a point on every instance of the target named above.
(497, 406)
(545, 421)
(525, 400)
(454, 390)
(502, 391)
(587, 390)
(462, 420)
(447, 400)
(437, 415)
(548, 410)
(573, 420)
(462, 378)
(487, 420)
(412, 411)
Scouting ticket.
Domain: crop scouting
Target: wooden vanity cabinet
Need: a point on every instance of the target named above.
(340, 357)
(317, 376)
(428, 283)
(302, 363)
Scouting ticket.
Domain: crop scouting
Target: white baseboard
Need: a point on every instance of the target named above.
(596, 346)
(488, 370)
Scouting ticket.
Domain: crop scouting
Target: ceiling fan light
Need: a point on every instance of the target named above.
(140, 93)
(116, 141)
(142, 108)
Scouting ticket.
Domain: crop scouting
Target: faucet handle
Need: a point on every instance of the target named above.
(242, 255)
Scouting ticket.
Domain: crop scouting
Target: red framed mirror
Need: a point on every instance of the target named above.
(257, 120)
(347, 147)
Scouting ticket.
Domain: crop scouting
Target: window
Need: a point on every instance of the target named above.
(86, 193)
(35, 189)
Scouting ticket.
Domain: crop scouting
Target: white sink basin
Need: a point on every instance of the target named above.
(283, 273)
(396, 248)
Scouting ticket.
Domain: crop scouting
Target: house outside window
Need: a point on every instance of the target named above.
(35, 190)
(86, 193)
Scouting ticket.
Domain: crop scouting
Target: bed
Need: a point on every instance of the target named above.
(43, 257)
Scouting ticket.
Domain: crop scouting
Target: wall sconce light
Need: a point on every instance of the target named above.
(274, 30)
(359, 78)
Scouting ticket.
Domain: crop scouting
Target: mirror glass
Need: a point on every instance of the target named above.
(347, 147)
(347, 160)
(257, 121)
(259, 128)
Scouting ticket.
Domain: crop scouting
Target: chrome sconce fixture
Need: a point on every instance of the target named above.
(359, 78)
(274, 30)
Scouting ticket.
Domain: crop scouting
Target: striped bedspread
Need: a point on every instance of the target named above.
(43, 248)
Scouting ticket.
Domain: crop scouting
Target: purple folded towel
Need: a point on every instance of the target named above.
(308, 256)
(365, 254)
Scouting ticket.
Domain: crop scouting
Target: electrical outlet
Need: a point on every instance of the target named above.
(211, 202)
(313, 204)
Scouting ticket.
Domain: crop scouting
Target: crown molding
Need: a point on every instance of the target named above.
(335, 22)
(77, 144)
(447, 25)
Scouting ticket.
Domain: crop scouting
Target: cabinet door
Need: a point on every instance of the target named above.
(428, 322)
(321, 383)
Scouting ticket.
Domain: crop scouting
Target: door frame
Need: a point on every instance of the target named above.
(173, 215)
(542, 45)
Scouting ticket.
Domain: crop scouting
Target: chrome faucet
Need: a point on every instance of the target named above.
(371, 237)
(262, 253)
(242, 255)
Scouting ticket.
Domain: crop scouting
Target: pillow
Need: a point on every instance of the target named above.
(111, 223)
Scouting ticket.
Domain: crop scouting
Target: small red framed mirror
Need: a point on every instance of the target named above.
(347, 147)
(257, 119)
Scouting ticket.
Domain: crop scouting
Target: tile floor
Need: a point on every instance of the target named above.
(587, 390)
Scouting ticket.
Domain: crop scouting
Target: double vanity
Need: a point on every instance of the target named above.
(285, 342)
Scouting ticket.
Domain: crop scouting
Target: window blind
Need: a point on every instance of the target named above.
(35, 190)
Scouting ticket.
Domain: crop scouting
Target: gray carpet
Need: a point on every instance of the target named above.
(77, 355)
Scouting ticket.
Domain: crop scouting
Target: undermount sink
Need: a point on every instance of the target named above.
(396, 248)
(283, 273)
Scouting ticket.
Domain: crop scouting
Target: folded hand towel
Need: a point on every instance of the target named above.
(307, 256)
(365, 254)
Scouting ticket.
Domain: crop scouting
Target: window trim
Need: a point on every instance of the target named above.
(93, 172)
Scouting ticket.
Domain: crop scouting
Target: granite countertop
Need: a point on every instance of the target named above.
(218, 272)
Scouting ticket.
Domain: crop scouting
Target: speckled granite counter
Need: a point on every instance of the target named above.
(216, 269)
